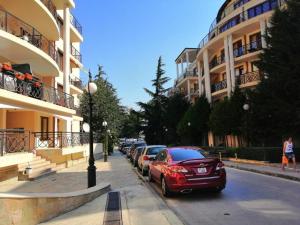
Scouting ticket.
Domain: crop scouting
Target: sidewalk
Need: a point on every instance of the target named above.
(139, 205)
(271, 169)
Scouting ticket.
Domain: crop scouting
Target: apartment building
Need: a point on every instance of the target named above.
(40, 84)
(225, 58)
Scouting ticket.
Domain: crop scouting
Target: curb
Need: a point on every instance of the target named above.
(284, 176)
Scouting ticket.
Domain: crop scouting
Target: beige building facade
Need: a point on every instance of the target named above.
(40, 84)
(225, 58)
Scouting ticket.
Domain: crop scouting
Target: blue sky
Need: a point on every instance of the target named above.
(128, 36)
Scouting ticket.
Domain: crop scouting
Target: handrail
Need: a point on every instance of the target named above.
(76, 82)
(75, 23)
(217, 61)
(15, 26)
(14, 140)
(185, 75)
(76, 53)
(51, 7)
(248, 48)
(219, 86)
(249, 77)
(16, 82)
(242, 17)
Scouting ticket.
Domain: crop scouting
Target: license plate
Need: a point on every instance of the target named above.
(202, 170)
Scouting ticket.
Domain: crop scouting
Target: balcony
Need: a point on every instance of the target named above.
(255, 11)
(75, 81)
(219, 86)
(13, 141)
(76, 30)
(247, 49)
(20, 42)
(18, 83)
(186, 74)
(76, 54)
(51, 7)
(249, 78)
(217, 61)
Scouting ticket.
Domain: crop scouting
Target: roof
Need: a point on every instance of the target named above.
(184, 51)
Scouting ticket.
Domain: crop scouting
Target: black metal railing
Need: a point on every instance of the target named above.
(60, 139)
(217, 61)
(246, 49)
(35, 89)
(77, 55)
(14, 140)
(75, 81)
(266, 6)
(75, 23)
(249, 77)
(19, 28)
(219, 86)
(186, 74)
(51, 7)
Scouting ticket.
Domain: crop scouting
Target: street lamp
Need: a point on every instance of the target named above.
(104, 124)
(91, 89)
(246, 107)
(189, 124)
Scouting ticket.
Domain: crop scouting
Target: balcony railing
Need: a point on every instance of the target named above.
(246, 49)
(249, 77)
(14, 140)
(217, 61)
(219, 86)
(75, 81)
(17, 27)
(51, 7)
(75, 23)
(76, 54)
(185, 75)
(264, 7)
(35, 89)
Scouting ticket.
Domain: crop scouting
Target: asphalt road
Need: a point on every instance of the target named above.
(249, 198)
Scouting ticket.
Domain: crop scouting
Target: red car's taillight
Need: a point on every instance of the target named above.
(220, 166)
(178, 169)
(146, 157)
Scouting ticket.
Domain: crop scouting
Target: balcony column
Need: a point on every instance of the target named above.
(177, 69)
(263, 30)
(181, 62)
(227, 63)
(187, 59)
(66, 59)
(231, 60)
(199, 69)
(207, 76)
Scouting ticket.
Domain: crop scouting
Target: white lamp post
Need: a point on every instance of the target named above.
(246, 107)
(104, 124)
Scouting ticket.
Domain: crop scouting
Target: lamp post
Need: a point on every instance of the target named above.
(104, 124)
(91, 89)
(246, 107)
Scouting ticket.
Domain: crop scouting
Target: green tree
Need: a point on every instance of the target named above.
(132, 125)
(152, 111)
(193, 127)
(106, 106)
(176, 107)
(276, 101)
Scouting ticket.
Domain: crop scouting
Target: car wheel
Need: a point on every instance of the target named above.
(150, 178)
(218, 189)
(144, 173)
(164, 188)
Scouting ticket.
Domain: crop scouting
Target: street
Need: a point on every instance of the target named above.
(249, 198)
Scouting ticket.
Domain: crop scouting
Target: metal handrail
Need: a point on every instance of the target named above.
(185, 75)
(35, 89)
(14, 140)
(219, 86)
(77, 55)
(75, 23)
(248, 48)
(15, 26)
(51, 7)
(217, 61)
(75, 81)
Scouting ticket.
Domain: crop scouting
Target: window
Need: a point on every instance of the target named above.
(61, 60)
(222, 55)
(185, 154)
(44, 128)
(231, 23)
(60, 23)
(262, 8)
(238, 49)
(255, 41)
(154, 150)
(223, 76)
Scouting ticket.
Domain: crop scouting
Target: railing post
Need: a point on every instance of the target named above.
(2, 144)
(61, 140)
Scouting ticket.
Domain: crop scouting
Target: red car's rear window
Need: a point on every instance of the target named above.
(179, 154)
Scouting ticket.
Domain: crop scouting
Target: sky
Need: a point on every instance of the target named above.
(127, 37)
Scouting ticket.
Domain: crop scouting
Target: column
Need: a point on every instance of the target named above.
(207, 76)
(263, 31)
(177, 69)
(231, 58)
(66, 59)
(187, 59)
(227, 63)
(189, 89)
(199, 69)
(181, 62)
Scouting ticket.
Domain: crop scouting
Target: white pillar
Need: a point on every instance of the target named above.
(187, 59)
(227, 63)
(231, 58)
(177, 69)
(199, 77)
(207, 76)
(189, 89)
(66, 58)
(181, 62)
(263, 31)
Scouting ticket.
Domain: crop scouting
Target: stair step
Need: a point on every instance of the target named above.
(34, 162)
(35, 165)
(37, 173)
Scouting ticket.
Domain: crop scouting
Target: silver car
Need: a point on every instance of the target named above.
(148, 153)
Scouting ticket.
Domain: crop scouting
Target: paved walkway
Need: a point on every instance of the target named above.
(139, 205)
(271, 170)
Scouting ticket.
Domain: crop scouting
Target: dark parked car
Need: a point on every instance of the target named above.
(136, 155)
(133, 147)
(125, 145)
(184, 169)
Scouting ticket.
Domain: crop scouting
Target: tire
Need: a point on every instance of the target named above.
(144, 173)
(164, 188)
(150, 179)
(218, 189)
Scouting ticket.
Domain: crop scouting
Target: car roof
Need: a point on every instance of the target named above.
(153, 146)
(184, 148)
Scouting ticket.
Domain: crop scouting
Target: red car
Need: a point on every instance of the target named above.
(184, 169)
